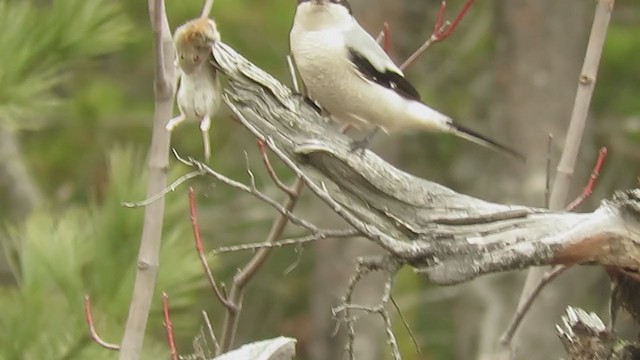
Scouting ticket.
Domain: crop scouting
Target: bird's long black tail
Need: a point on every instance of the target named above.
(480, 139)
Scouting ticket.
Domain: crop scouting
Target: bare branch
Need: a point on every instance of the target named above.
(212, 335)
(440, 32)
(254, 265)
(92, 330)
(164, 192)
(203, 260)
(588, 189)
(296, 241)
(168, 327)
(202, 167)
(158, 161)
(272, 173)
(549, 276)
(406, 325)
(547, 180)
(206, 9)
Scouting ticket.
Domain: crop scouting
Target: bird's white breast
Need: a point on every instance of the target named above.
(332, 80)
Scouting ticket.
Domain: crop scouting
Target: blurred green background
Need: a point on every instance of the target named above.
(76, 101)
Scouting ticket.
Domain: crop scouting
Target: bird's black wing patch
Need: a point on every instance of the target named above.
(389, 79)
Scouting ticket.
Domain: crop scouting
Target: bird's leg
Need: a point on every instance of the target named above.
(205, 125)
(362, 144)
(175, 122)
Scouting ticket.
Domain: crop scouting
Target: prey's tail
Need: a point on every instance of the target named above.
(471, 135)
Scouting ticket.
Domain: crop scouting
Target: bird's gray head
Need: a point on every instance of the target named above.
(323, 14)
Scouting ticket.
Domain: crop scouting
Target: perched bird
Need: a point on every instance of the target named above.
(349, 74)
(199, 92)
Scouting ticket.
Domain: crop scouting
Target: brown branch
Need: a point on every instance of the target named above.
(203, 260)
(515, 322)
(566, 166)
(158, 161)
(440, 32)
(92, 330)
(387, 39)
(588, 189)
(242, 278)
(272, 173)
(168, 327)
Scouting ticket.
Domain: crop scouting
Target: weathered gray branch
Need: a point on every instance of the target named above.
(448, 236)
(585, 336)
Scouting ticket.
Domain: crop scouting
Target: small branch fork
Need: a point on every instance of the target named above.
(343, 312)
(441, 31)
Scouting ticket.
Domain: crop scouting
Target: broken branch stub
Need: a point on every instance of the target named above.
(449, 237)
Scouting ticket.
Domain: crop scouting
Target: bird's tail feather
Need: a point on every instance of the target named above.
(473, 136)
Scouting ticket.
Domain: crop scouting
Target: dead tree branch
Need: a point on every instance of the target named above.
(447, 236)
(585, 336)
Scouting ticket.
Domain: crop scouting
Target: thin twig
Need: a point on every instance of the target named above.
(244, 276)
(299, 250)
(203, 259)
(206, 9)
(302, 240)
(440, 31)
(292, 74)
(212, 335)
(272, 173)
(548, 277)
(168, 327)
(256, 193)
(406, 325)
(547, 180)
(92, 330)
(164, 191)
(588, 189)
(387, 39)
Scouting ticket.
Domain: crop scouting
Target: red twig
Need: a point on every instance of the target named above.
(588, 189)
(272, 173)
(441, 31)
(387, 40)
(92, 329)
(168, 327)
(203, 260)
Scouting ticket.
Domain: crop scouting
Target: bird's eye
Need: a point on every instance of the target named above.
(181, 57)
(196, 58)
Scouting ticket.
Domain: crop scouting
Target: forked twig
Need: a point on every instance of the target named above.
(440, 31)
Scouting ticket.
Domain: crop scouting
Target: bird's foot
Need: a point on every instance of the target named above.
(359, 146)
(362, 144)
